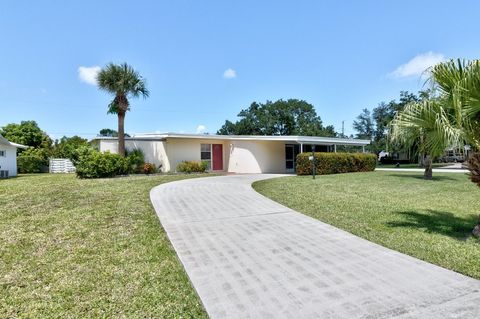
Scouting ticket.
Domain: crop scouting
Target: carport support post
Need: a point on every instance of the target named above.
(313, 161)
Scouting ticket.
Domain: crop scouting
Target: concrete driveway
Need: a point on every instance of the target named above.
(250, 257)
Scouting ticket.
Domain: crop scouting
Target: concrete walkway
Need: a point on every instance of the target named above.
(250, 257)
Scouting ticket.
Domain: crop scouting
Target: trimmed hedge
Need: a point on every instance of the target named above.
(336, 163)
(192, 167)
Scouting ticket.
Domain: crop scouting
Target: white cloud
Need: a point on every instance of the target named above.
(417, 65)
(88, 74)
(201, 129)
(229, 74)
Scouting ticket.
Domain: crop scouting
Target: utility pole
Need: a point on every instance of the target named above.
(343, 129)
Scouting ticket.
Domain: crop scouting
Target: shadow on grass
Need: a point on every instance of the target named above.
(433, 221)
(420, 176)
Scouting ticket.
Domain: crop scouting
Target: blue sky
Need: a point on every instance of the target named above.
(341, 56)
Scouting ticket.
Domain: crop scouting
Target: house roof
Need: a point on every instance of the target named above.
(282, 138)
(4, 141)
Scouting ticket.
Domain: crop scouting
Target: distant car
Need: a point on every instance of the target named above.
(452, 159)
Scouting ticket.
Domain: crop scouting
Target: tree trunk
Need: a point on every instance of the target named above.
(121, 133)
(428, 168)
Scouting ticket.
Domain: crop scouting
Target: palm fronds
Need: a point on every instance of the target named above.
(427, 125)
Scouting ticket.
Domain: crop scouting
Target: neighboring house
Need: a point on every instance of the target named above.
(8, 157)
(227, 153)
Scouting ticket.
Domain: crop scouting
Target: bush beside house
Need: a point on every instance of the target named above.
(95, 164)
(192, 167)
(149, 168)
(92, 163)
(136, 159)
(335, 163)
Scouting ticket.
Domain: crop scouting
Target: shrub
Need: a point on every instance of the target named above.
(192, 167)
(335, 163)
(136, 160)
(149, 168)
(474, 167)
(94, 164)
(33, 160)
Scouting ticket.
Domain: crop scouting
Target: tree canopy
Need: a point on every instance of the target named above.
(27, 133)
(107, 132)
(364, 125)
(67, 147)
(374, 125)
(282, 117)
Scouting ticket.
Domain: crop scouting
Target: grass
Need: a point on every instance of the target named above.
(430, 220)
(414, 165)
(74, 248)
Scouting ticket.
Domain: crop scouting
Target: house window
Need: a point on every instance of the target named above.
(3, 153)
(206, 154)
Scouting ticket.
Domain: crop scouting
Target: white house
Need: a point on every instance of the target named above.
(8, 157)
(228, 153)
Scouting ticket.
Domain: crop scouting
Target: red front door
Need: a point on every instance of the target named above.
(217, 157)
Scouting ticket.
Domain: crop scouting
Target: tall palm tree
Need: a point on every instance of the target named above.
(427, 125)
(122, 81)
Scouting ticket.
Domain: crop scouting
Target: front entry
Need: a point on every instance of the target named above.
(217, 164)
(291, 152)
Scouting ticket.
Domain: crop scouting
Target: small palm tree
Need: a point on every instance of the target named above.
(427, 125)
(123, 82)
(458, 82)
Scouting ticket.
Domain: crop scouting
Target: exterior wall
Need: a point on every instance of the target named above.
(154, 151)
(184, 149)
(167, 153)
(109, 145)
(9, 163)
(239, 156)
(257, 157)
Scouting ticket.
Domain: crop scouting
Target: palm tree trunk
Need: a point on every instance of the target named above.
(428, 168)
(121, 133)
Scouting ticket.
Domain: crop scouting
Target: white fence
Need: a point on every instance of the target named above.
(61, 165)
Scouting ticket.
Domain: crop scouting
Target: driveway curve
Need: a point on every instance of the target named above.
(250, 257)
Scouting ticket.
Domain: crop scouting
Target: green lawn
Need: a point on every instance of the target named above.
(75, 248)
(430, 220)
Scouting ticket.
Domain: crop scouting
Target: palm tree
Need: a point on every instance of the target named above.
(123, 82)
(451, 118)
(459, 84)
(427, 125)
